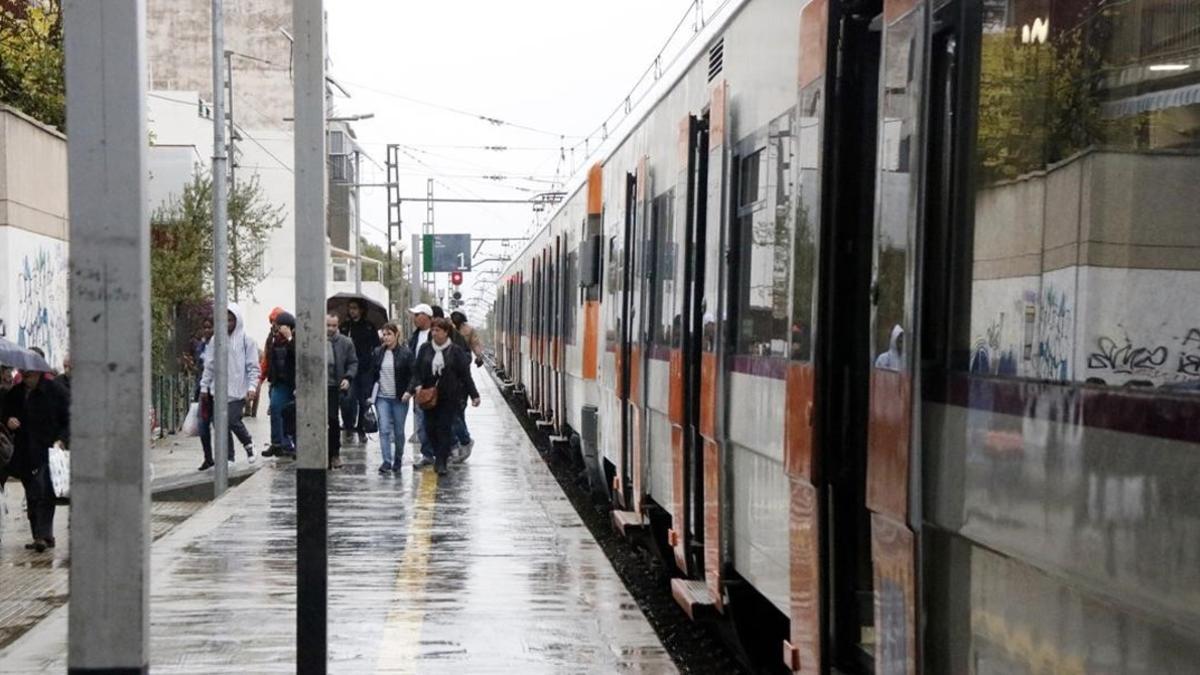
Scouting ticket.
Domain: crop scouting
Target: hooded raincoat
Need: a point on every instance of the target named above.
(893, 358)
(242, 362)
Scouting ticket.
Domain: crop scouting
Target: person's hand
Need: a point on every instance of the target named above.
(475, 402)
(13, 424)
(251, 395)
(345, 385)
(406, 397)
(478, 361)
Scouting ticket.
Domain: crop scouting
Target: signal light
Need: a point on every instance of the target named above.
(456, 278)
(457, 295)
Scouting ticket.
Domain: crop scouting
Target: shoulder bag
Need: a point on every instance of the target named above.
(427, 397)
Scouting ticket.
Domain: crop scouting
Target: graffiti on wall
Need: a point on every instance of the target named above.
(42, 302)
(1055, 331)
(1156, 361)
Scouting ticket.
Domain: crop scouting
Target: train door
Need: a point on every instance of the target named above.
(628, 317)
(566, 294)
(686, 536)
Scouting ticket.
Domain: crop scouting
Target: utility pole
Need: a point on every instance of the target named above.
(358, 225)
(219, 352)
(427, 228)
(232, 162)
(394, 219)
(312, 561)
(109, 621)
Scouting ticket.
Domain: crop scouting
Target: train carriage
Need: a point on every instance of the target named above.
(879, 326)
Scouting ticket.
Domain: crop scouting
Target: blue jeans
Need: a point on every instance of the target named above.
(392, 414)
(419, 423)
(281, 397)
(458, 428)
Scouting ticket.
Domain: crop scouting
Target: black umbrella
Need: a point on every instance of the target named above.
(340, 305)
(16, 356)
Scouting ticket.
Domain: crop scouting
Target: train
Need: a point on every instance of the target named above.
(879, 325)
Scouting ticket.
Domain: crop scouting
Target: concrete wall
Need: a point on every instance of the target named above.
(179, 54)
(33, 234)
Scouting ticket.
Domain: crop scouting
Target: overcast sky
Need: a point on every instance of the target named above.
(557, 66)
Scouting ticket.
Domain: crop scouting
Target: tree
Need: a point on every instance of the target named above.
(181, 253)
(31, 61)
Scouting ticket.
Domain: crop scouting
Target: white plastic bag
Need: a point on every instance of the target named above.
(191, 423)
(60, 472)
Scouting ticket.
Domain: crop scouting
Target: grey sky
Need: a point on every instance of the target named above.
(553, 65)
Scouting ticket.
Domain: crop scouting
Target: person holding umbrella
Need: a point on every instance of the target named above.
(36, 415)
(361, 324)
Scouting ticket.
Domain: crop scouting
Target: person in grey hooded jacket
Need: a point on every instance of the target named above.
(242, 385)
(342, 363)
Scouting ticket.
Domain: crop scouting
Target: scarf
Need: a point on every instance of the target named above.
(439, 361)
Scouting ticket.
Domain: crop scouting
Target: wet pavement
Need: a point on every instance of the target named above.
(488, 569)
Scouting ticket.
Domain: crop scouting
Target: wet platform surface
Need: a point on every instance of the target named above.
(488, 569)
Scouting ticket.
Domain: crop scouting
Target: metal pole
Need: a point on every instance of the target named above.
(219, 352)
(415, 287)
(109, 621)
(358, 226)
(232, 164)
(308, 17)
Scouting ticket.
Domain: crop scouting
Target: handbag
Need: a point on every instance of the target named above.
(191, 423)
(6, 448)
(370, 421)
(60, 472)
(427, 397)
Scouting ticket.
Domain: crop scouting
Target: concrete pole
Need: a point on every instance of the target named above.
(357, 224)
(109, 624)
(219, 349)
(308, 17)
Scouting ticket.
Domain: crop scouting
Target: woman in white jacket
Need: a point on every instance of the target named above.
(242, 385)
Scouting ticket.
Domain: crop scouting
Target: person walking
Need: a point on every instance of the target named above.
(445, 368)
(242, 384)
(280, 371)
(468, 340)
(36, 415)
(422, 317)
(273, 415)
(365, 336)
(389, 376)
(342, 364)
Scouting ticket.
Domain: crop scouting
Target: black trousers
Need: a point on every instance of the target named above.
(439, 427)
(335, 430)
(39, 501)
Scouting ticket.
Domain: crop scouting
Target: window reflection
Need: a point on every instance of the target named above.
(1086, 245)
(764, 227)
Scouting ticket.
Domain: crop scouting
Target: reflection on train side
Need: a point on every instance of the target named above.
(1064, 434)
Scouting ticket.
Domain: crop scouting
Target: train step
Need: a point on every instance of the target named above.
(627, 522)
(694, 598)
(545, 423)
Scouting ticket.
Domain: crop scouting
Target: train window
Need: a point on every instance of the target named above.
(663, 266)
(571, 295)
(613, 284)
(763, 227)
(806, 213)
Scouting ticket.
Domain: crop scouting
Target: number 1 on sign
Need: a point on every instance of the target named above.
(462, 261)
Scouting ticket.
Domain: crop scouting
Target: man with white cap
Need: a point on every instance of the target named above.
(422, 315)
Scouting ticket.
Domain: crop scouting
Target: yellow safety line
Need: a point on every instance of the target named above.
(401, 642)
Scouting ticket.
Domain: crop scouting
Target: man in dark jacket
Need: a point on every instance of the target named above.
(37, 414)
(342, 363)
(280, 371)
(366, 338)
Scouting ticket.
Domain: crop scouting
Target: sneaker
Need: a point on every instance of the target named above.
(230, 464)
(250, 454)
(207, 464)
(421, 461)
(440, 467)
(362, 438)
(272, 451)
(385, 469)
(464, 452)
(335, 463)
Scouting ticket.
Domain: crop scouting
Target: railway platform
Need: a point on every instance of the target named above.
(487, 569)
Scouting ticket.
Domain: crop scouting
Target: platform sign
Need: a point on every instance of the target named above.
(446, 252)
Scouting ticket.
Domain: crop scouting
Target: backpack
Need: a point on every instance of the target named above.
(6, 448)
